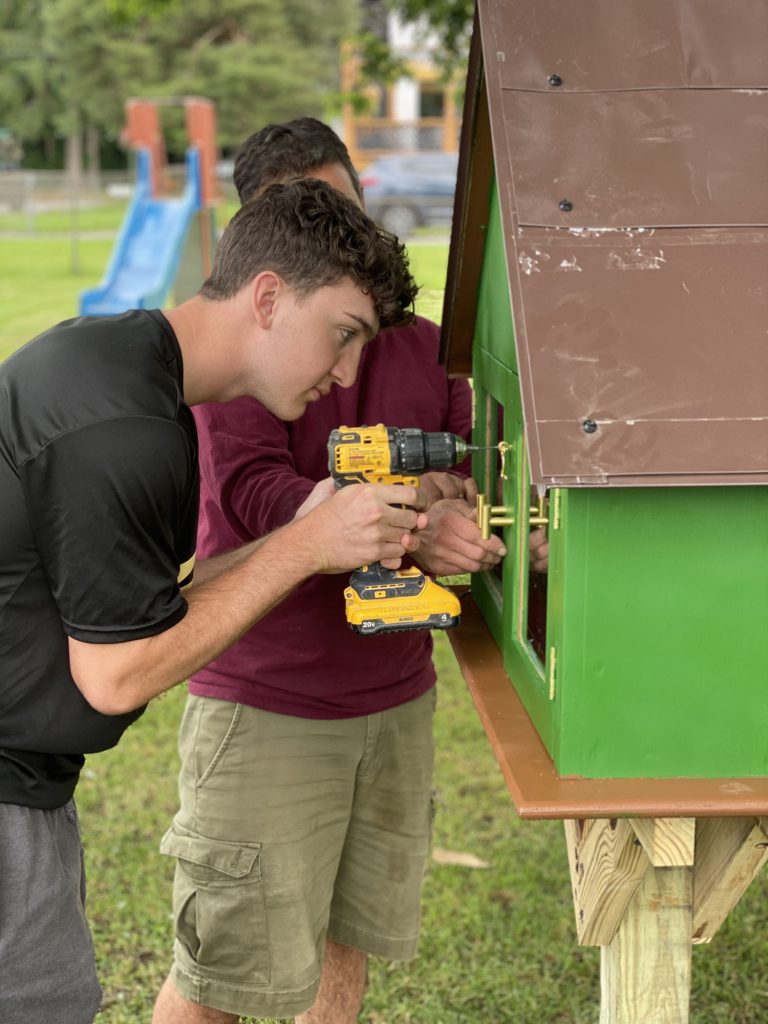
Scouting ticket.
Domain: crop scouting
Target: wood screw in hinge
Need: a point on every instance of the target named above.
(552, 670)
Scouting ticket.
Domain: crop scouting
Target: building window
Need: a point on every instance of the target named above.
(431, 102)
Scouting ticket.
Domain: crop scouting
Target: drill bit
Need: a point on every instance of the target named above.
(463, 449)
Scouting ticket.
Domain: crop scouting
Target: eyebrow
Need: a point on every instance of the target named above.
(367, 328)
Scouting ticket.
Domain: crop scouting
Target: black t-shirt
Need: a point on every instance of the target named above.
(98, 506)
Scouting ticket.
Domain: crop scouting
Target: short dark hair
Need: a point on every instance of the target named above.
(313, 236)
(284, 152)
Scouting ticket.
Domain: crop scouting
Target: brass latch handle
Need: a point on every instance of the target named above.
(538, 513)
(504, 448)
(492, 515)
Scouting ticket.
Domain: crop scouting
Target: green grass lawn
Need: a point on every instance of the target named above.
(42, 273)
(102, 217)
(38, 286)
(498, 943)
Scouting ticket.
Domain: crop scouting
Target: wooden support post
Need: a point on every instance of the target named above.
(633, 893)
(607, 865)
(646, 969)
(729, 853)
(644, 889)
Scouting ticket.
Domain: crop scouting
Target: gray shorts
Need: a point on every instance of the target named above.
(292, 829)
(47, 970)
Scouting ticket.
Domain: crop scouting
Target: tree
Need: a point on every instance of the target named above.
(259, 60)
(69, 66)
(25, 97)
(450, 20)
(66, 68)
(92, 57)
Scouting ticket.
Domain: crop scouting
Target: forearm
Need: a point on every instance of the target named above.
(356, 526)
(209, 568)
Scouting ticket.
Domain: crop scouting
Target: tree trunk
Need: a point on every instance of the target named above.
(74, 158)
(92, 141)
(49, 149)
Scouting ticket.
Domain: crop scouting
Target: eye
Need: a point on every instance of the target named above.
(347, 334)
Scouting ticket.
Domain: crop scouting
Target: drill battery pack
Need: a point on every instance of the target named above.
(380, 600)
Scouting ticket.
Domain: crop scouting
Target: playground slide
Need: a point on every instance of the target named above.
(148, 248)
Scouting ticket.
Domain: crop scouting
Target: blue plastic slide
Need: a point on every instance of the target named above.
(146, 255)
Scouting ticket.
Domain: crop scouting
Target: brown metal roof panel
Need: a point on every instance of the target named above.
(623, 159)
(654, 453)
(590, 45)
(659, 338)
(631, 44)
(724, 44)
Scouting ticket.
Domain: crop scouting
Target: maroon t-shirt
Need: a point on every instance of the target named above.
(302, 659)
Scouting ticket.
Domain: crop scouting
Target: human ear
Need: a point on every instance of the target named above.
(263, 293)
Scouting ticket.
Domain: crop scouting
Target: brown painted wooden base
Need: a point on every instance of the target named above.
(536, 788)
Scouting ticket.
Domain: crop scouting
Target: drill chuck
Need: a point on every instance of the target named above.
(418, 451)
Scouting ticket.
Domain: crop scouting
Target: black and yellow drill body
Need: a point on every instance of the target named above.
(380, 600)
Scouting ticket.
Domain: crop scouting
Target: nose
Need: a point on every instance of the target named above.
(345, 370)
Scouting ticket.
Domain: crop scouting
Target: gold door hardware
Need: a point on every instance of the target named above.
(492, 515)
(538, 513)
(504, 448)
(551, 675)
(546, 511)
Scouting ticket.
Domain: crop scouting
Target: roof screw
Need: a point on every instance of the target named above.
(566, 205)
(589, 426)
(554, 80)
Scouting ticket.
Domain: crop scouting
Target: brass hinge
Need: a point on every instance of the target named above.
(555, 509)
(551, 672)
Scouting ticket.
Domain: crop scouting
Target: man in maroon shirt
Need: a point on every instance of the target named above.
(306, 749)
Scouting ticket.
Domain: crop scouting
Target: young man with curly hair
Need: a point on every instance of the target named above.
(99, 505)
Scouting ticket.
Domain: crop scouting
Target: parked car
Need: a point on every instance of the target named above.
(406, 191)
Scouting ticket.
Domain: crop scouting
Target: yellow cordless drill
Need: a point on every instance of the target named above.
(380, 600)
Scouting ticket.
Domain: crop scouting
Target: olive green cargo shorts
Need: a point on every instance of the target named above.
(291, 829)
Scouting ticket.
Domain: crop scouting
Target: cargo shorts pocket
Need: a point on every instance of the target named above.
(219, 908)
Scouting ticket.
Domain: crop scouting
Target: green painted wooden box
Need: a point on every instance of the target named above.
(643, 652)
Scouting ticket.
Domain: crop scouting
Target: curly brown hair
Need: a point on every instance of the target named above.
(313, 236)
(284, 152)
